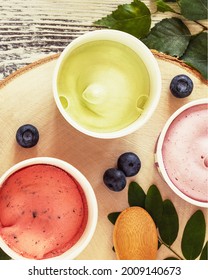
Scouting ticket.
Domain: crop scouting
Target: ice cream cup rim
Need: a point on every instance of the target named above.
(148, 58)
(159, 158)
(84, 240)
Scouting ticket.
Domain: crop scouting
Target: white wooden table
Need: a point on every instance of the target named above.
(31, 30)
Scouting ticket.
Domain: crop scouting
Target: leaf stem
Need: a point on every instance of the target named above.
(202, 25)
(168, 246)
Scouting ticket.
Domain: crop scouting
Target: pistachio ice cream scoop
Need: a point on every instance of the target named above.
(106, 83)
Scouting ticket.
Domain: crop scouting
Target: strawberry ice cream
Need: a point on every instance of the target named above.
(185, 152)
(43, 211)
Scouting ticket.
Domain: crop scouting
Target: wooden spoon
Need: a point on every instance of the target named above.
(135, 235)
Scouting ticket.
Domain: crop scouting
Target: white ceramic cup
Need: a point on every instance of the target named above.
(145, 55)
(84, 240)
(159, 156)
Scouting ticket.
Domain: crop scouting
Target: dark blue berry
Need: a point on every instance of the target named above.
(27, 136)
(114, 179)
(129, 163)
(181, 86)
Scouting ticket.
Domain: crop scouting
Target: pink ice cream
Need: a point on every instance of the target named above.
(185, 152)
(43, 211)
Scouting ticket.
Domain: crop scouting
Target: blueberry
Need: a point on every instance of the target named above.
(27, 136)
(181, 86)
(129, 163)
(114, 179)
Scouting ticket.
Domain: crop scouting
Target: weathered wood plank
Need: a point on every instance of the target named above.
(31, 30)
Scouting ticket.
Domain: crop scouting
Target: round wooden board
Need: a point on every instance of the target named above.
(26, 97)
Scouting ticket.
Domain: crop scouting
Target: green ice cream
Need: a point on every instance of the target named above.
(103, 85)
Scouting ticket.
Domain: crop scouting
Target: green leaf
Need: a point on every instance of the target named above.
(193, 236)
(134, 18)
(194, 9)
(196, 54)
(136, 195)
(112, 217)
(204, 254)
(163, 7)
(154, 204)
(170, 36)
(3, 255)
(169, 224)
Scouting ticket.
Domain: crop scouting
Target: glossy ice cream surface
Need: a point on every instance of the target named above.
(43, 211)
(185, 152)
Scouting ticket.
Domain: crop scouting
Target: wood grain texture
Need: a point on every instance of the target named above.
(31, 30)
(26, 97)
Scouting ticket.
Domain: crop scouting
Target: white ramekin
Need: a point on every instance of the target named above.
(142, 51)
(84, 240)
(159, 158)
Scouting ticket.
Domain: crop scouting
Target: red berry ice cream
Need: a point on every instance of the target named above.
(185, 152)
(43, 211)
